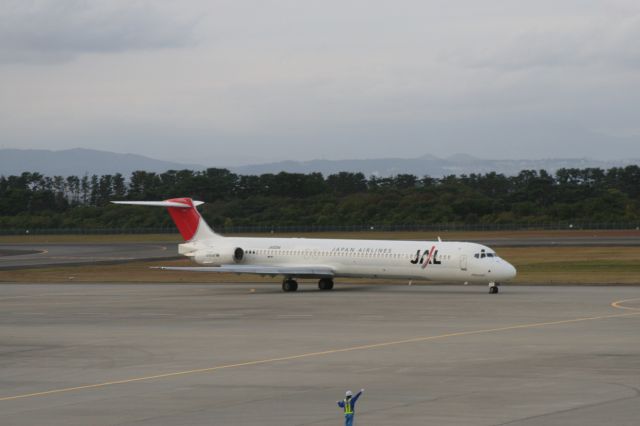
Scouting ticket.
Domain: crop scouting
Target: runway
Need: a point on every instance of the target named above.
(94, 354)
(21, 256)
(39, 255)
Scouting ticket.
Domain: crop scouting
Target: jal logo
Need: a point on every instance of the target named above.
(428, 257)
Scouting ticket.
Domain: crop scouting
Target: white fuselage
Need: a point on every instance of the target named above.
(420, 260)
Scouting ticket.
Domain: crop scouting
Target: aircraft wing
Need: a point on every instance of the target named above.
(292, 271)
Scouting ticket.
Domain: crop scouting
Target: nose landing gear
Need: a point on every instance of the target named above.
(493, 288)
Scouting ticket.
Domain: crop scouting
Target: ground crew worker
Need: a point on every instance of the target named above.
(348, 404)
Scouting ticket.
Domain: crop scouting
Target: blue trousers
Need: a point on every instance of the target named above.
(348, 419)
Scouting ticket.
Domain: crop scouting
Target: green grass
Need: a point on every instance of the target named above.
(583, 266)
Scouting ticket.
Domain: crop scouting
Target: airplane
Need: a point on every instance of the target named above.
(326, 259)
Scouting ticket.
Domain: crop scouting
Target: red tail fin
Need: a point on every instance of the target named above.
(184, 214)
(187, 220)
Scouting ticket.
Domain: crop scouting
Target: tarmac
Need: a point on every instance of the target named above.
(248, 354)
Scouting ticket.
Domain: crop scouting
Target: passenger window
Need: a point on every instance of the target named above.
(477, 256)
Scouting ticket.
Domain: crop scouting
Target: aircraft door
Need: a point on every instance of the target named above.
(463, 262)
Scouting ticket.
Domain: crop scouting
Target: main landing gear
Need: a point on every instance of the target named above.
(289, 284)
(325, 284)
(493, 288)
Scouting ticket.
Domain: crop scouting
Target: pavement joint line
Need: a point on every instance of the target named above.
(321, 353)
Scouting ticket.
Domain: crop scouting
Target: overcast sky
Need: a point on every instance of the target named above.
(236, 82)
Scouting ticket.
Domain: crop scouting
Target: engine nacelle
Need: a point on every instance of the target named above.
(238, 254)
(219, 256)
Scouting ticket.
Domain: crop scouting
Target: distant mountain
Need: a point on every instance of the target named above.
(427, 165)
(80, 161)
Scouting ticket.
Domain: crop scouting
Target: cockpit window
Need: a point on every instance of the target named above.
(483, 255)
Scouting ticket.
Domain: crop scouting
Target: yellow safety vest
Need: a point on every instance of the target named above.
(347, 407)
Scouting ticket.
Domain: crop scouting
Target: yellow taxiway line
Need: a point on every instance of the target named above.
(329, 352)
(618, 304)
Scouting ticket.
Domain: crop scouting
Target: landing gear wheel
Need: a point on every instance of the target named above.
(325, 284)
(493, 288)
(289, 285)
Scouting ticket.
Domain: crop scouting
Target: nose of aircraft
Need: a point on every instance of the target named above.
(507, 271)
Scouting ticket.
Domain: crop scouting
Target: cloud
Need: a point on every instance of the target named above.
(612, 42)
(60, 30)
(277, 79)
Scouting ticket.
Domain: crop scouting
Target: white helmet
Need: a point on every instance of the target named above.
(348, 393)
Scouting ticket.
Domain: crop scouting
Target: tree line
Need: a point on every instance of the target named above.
(31, 200)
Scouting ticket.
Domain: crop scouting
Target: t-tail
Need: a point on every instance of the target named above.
(185, 215)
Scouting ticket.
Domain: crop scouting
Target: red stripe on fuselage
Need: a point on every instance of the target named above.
(187, 220)
(426, 262)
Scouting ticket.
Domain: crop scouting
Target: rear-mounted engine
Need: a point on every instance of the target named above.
(217, 257)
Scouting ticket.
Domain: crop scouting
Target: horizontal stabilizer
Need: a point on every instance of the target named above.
(294, 271)
(160, 204)
(185, 215)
